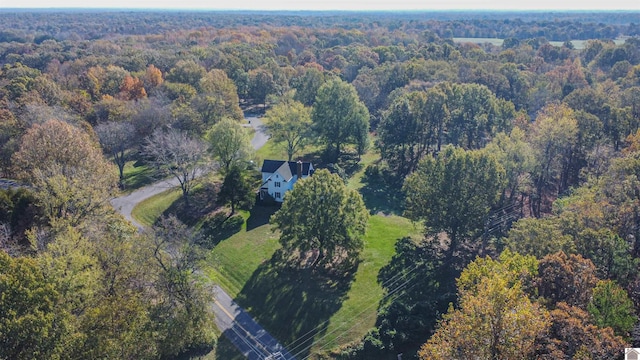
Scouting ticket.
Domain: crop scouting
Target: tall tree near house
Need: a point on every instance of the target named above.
(289, 123)
(339, 116)
(116, 138)
(229, 143)
(322, 215)
(179, 155)
(238, 188)
(453, 193)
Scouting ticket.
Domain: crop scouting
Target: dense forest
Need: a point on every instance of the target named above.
(518, 162)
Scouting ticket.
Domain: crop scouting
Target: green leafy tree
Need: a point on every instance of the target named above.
(219, 98)
(402, 133)
(238, 188)
(307, 85)
(339, 116)
(539, 237)
(32, 323)
(289, 123)
(187, 72)
(453, 193)
(261, 84)
(229, 143)
(323, 217)
(611, 306)
(553, 138)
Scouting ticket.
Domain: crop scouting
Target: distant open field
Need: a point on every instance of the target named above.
(578, 44)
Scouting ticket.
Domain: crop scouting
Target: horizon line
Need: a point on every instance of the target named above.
(321, 10)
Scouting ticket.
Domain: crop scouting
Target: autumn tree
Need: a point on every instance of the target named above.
(116, 138)
(289, 123)
(152, 77)
(321, 216)
(132, 88)
(566, 278)
(339, 116)
(495, 319)
(453, 193)
(218, 98)
(72, 180)
(573, 335)
(229, 143)
(179, 155)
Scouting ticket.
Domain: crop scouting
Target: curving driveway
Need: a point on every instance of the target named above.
(239, 327)
(125, 204)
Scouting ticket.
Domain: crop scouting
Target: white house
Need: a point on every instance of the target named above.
(278, 177)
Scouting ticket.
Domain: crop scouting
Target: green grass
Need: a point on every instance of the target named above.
(149, 210)
(136, 177)
(577, 44)
(296, 305)
(358, 312)
(270, 151)
(234, 260)
(492, 41)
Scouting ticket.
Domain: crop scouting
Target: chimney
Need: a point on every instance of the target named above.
(299, 169)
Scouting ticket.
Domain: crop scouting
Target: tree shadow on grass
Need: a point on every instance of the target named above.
(381, 192)
(260, 215)
(202, 201)
(293, 305)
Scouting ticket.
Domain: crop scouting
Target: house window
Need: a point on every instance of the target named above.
(277, 195)
(277, 184)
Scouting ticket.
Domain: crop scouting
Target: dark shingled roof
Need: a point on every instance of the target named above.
(271, 166)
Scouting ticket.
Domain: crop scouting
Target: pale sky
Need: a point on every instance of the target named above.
(332, 4)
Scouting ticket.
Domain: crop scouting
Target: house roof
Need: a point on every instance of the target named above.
(280, 166)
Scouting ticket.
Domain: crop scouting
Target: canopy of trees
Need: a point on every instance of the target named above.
(526, 145)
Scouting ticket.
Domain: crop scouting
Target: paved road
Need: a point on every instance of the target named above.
(260, 137)
(125, 204)
(249, 337)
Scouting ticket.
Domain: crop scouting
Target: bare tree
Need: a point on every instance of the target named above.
(176, 153)
(116, 138)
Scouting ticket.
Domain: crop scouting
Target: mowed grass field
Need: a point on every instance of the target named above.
(307, 313)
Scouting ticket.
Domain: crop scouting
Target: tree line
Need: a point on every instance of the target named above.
(519, 160)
